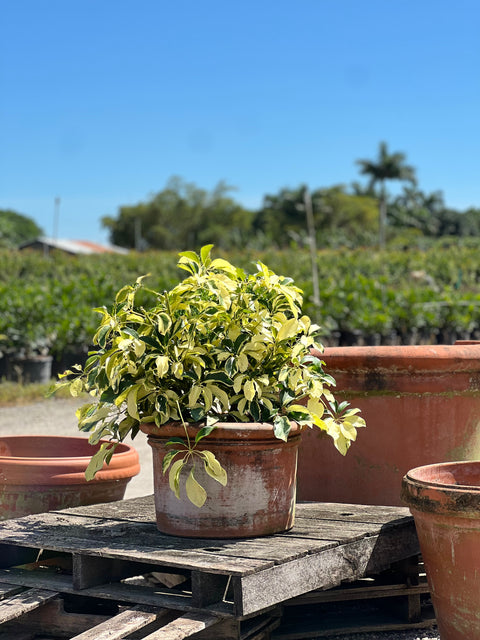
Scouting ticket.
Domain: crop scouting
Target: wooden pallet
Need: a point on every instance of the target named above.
(395, 600)
(222, 588)
(27, 614)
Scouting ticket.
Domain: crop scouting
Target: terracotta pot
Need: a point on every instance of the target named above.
(259, 497)
(43, 473)
(445, 502)
(421, 404)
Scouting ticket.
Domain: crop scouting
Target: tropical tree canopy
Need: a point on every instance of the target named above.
(388, 166)
(339, 217)
(182, 216)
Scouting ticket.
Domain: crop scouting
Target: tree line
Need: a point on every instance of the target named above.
(183, 215)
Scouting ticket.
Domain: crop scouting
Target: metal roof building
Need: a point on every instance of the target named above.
(73, 247)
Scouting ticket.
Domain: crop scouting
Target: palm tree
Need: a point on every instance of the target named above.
(388, 166)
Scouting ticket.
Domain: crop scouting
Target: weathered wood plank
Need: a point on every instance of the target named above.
(323, 570)
(120, 592)
(8, 590)
(131, 510)
(121, 540)
(358, 593)
(52, 620)
(334, 522)
(351, 512)
(331, 530)
(277, 548)
(24, 602)
(330, 625)
(36, 579)
(121, 625)
(143, 510)
(184, 627)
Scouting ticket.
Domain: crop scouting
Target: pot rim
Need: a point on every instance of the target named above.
(441, 497)
(223, 430)
(123, 449)
(427, 358)
(413, 476)
(48, 470)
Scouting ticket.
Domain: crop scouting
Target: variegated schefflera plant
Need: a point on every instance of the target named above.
(221, 346)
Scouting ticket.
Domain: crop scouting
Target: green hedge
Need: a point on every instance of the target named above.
(367, 297)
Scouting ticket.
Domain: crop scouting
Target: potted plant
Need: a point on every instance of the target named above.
(25, 352)
(27, 335)
(218, 372)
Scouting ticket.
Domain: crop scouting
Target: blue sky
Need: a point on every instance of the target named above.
(101, 101)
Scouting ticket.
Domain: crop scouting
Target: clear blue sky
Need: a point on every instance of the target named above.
(101, 101)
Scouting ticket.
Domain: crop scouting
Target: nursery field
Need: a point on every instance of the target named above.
(367, 297)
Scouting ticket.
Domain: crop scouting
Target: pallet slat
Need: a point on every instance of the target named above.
(344, 512)
(101, 537)
(24, 602)
(8, 590)
(184, 627)
(51, 619)
(122, 624)
(115, 591)
(325, 570)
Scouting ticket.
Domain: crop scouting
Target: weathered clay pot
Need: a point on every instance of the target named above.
(43, 473)
(421, 405)
(259, 497)
(445, 502)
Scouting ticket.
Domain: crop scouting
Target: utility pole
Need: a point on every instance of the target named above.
(307, 199)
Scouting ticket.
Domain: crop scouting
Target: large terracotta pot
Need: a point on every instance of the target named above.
(259, 497)
(43, 473)
(421, 405)
(445, 502)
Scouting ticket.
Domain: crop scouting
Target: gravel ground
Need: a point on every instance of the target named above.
(57, 417)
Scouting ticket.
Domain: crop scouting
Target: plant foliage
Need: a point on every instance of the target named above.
(222, 345)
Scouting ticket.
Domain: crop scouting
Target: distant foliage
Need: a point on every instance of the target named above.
(183, 217)
(340, 218)
(399, 296)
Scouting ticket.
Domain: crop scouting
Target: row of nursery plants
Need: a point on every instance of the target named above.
(395, 297)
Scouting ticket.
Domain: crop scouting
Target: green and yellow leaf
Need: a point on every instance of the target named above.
(195, 492)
